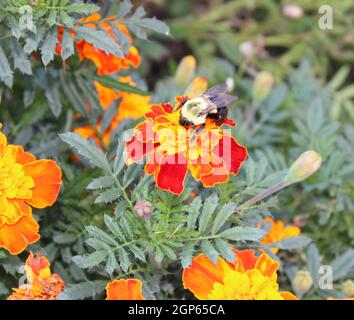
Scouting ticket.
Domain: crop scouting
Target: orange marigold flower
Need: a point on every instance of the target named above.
(41, 283)
(24, 182)
(278, 231)
(250, 277)
(131, 106)
(172, 150)
(123, 289)
(106, 63)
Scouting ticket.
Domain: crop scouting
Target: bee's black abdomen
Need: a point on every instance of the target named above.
(219, 116)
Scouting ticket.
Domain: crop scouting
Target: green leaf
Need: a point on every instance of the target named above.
(88, 149)
(21, 62)
(291, 243)
(6, 74)
(49, 45)
(82, 8)
(209, 250)
(138, 253)
(111, 264)
(154, 25)
(65, 238)
(110, 82)
(209, 207)
(225, 250)
(52, 94)
(100, 40)
(100, 234)
(225, 212)
(90, 260)
(67, 45)
(114, 227)
(194, 212)
(124, 8)
(342, 265)
(83, 290)
(243, 233)
(101, 183)
(124, 261)
(122, 38)
(313, 262)
(108, 196)
(187, 254)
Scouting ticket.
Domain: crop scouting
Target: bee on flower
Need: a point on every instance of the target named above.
(187, 138)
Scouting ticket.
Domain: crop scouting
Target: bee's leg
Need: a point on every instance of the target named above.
(197, 132)
(181, 105)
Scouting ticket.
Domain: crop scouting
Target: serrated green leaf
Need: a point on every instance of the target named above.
(342, 265)
(209, 207)
(225, 250)
(291, 243)
(100, 234)
(138, 253)
(313, 262)
(124, 261)
(88, 149)
(83, 290)
(225, 212)
(187, 254)
(110, 82)
(114, 227)
(243, 233)
(100, 40)
(49, 46)
(111, 264)
(194, 212)
(6, 74)
(90, 260)
(83, 8)
(100, 183)
(124, 8)
(209, 251)
(108, 196)
(52, 94)
(67, 45)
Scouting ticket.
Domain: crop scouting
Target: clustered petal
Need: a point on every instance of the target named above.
(24, 182)
(278, 231)
(41, 283)
(250, 277)
(173, 150)
(122, 289)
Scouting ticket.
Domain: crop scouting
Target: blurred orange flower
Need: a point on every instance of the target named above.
(24, 182)
(250, 277)
(131, 106)
(106, 63)
(278, 231)
(172, 150)
(123, 289)
(41, 283)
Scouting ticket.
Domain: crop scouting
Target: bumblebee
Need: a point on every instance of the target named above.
(213, 104)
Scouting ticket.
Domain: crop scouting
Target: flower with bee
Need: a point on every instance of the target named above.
(188, 137)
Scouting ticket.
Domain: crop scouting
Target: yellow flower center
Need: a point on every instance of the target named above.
(14, 184)
(249, 285)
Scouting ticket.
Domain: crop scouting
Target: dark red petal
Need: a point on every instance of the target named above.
(228, 122)
(172, 173)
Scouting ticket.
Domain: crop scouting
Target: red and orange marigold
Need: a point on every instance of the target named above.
(41, 283)
(106, 63)
(278, 231)
(250, 277)
(131, 106)
(24, 182)
(124, 289)
(172, 150)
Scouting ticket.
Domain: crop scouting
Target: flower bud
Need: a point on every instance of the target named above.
(185, 71)
(262, 86)
(292, 11)
(198, 86)
(303, 167)
(143, 209)
(248, 50)
(348, 288)
(302, 282)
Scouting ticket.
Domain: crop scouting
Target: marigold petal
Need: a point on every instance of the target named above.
(16, 237)
(202, 274)
(172, 173)
(122, 289)
(245, 259)
(267, 266)
(47, 178)
(288, 295)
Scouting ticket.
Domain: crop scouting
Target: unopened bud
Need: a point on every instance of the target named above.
(302, 282)
(143, 209)
(303, 167)
(230, 84)
(348, 288)
(292, 11)
(185, 71)
(34, 2)
(198, 86)
(262, 86)
(248, 50)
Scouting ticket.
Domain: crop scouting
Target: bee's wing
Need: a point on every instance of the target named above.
(219, 100)
(219, 88)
